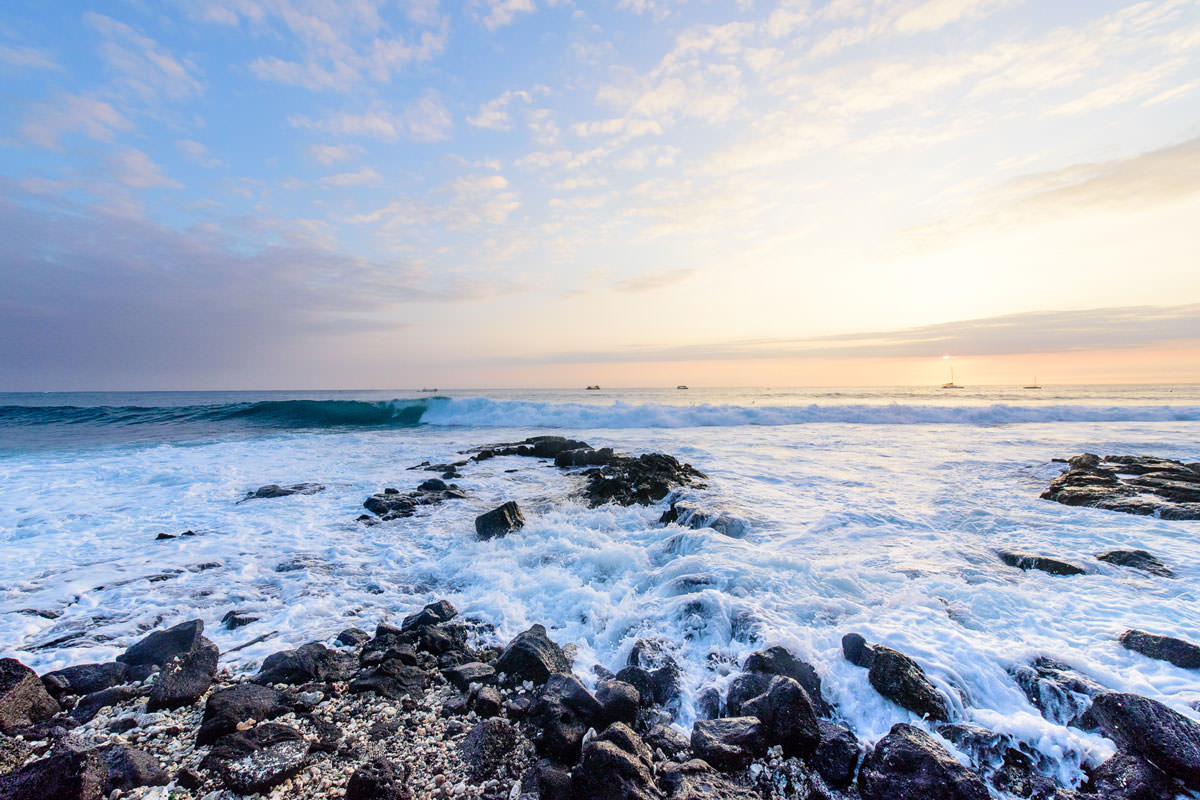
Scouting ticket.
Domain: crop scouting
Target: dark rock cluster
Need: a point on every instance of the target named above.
(1132, 484)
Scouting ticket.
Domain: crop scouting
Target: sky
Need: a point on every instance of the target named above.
(398, 193)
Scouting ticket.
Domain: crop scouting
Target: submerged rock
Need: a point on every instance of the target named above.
(901, 680)
(1027, 561)
(697, 519)
(1059, 691)
(908, 764)
(272, 490)
(1164, 648)
(1137, 559)
(1131, 484)
(499, 522)
(392, 504)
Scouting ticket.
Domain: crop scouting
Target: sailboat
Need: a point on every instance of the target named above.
(1033, 385)
(951, 384)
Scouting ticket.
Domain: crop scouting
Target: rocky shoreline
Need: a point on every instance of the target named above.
(435, 707)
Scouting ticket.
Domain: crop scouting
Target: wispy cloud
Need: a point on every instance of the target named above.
(363, 177)
(426, 120)
(47, 123)
(26, 57)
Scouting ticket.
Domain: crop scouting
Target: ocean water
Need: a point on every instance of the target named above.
(877, 511)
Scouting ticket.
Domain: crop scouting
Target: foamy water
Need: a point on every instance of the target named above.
(866, 512)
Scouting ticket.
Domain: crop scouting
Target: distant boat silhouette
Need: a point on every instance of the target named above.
(681, 386)
(593, 388)
(1033, 385)
(951, 384)
(429, 390)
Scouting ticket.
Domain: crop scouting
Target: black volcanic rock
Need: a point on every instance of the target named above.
(908, 764)
(392, 504)
(1027, 561)
(65, 775)
(531, 656)
(1059, 691)
(787, 716)
(901, 680)
(728, 743)
(255, 760)
(311, 662)
(837, 754)
(156, 649)
(1130, 777)
(1137, 559)
(226, 708)
(779, 661)
(643, 480)
(1145, 727)
(499, 522)
(856, 650)
(378, 779)
(607, 772)
(1132, 484)
(184, 679)
(85, 678)
(23, 698)
(1164, 648)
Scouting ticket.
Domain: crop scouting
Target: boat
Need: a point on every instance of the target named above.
(429, 390)
(681, 386)
(1034, 385)
(593, 388)
(951, 384)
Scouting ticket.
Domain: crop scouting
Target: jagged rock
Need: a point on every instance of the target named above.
(432, 614)
(499, 522)
(787, 716)
(837, 754)
(1131, 484)
(1137, 559)
(778, 661)
(129, 768)
(13, 753)
(237, 619)
(464, 675)
(84, 679)
(620, 702)
(708, 703)
(1026, 561)
(487, 702)
(728, 743)
(652, 670)
(353, 637)
(901, 680)
(1145, 727)
(485, 747)
(1060, 692)
(391, 679)
(185, 679)
(698, 519)
(531, 656)
(637, 481)
(65, 775)
(23, 699)
(547, 781)
(90, 704)
(311, 662)
(584, 457)
(856, 650)
(561, 715)
(743, 688)
(392, 504)
(227, 708)
(1164, 648)
(908, 764)
(667, 739)
(607, 772)
(696, 780)
(155, 650)
(623, 737)
(378, 779)
(1129, 777)
(255, 760)
(272, 490)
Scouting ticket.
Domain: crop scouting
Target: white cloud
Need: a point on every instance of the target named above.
(503, 12)
(26, 57)
(134, 168)
(76, 113)
(141, 64)
(426, 120)
(494, 114)
(332, 153)
(197, 152)
(363, 177)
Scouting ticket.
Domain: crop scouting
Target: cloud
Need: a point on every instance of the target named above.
(47, 123)
(503, 12)
(26, 58)
(363, 177)
(494, 114)
(134, 168)
(142, 66)
(653, 281)
(332, 153)
(197, 152)
(425, 120)
(466, 202)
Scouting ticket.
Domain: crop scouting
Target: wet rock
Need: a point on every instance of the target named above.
(226, 708)
(531, 656)
(908, 764)
(561, 716)
(708, 703)
(155, 650)
(549, 446)
(236, 619)
(432, 614)
(311, 662)
(743, 688)
(486, 746)
(856, 650)
(1164, 648)
(255, 760)
(1059, 691)
(787, 716)
(91, 704)
(652, 670)
(1017, 776)
(1145, 727)
(184, 679)
(84, 679)
(696, 780)
(1137, 559)
(499, 522)
(1129, 777)
(23, 699)
(667, 739)
(637, 481)
(66, 775)
(620, 702)
(779, 661)
(584, 457)
(392, 504)
(1131, 484)
(353, 637)
(378, 779)
(1026, 561)
(623, 737)
(837, 754)
(698, 519)
(728, 743)
(464, 675)
(272, 490)
(901, 680)
(607, 772)
(129, 768)
(391, 679)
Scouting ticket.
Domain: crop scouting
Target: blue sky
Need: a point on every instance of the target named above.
(289, 193)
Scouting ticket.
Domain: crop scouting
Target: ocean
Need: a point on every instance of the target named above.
(878, 511)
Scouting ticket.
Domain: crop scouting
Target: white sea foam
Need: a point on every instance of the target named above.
(888, 530)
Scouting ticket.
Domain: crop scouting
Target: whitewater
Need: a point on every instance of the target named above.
(877, 511)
